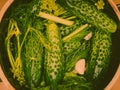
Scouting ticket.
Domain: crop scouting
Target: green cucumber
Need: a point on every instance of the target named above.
(99, 57)
(54, 61)
(89, 13)
(32, 59)
(71, 46)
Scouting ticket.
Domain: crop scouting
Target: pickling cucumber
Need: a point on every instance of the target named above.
(99, 57)
(89, 13)
(54, 61)
(32, 59)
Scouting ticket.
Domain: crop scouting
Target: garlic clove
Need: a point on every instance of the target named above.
(80, 67)
(88, 36)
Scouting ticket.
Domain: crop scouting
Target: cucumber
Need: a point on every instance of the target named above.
(54, 61)
(99, 57)
(71, 46)
(32, 59)
(89, 13)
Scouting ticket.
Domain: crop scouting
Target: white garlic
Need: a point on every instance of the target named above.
(88, 36)
(80, 67)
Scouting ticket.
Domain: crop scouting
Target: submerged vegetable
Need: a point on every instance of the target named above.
(88, 12)
(54, 61)
(32, 59)
(80, 66)
(99, 58)
(88, 36)
(71, 46)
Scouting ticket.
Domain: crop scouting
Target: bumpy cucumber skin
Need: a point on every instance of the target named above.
(66, 30)
(89, 13)
(54, 61)
(71, 46)
(32, 59)
(99, 58)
